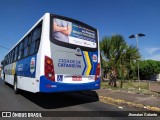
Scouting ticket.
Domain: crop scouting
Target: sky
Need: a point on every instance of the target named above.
(110, 17)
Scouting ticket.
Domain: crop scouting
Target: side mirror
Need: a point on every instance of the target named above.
(2, 62)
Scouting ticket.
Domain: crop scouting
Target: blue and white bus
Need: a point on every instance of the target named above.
(57, 54)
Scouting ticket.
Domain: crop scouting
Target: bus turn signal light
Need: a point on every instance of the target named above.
(49, 69)
(97, 75)
(49, 61)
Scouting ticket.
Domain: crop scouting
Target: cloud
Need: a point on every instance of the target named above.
(152, 50)
(154, 57)
(152, 53)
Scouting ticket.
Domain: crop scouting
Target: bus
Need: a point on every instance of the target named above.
(58, 54)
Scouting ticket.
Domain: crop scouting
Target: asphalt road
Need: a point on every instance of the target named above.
(26, 101)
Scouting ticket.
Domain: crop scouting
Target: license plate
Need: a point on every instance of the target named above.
(76, 78)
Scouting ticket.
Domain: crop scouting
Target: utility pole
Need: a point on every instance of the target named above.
(137, 36)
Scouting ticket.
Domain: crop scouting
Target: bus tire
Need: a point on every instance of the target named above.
(15, 85)
(4, 80)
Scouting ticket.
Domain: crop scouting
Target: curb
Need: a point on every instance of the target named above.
(118, 101)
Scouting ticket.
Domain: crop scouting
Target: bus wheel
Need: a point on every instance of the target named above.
(15, 85)
(4, 80)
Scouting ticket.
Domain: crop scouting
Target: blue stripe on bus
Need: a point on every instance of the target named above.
(24, 67)
(84, 63)
(94, 63)
(49, 86)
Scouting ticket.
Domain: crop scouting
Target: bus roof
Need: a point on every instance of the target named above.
(46, 14)
(29, 30)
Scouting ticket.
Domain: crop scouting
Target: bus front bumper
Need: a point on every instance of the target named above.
(49, 86)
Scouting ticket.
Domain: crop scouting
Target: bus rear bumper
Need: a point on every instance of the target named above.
(49, 86)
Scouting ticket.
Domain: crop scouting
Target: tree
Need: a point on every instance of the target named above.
(119, 56)
(149, 67)
(131, 56)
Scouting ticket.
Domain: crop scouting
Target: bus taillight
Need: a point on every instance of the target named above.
(97, 75)
(49, 68)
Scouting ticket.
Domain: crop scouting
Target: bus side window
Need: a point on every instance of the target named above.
(36, 33)
(32, 48)
(37, 45)
(20, 50)
(26, 41)
(16, 53)
(12, 59)
(25, 52)
(7, 59)
(29, 39)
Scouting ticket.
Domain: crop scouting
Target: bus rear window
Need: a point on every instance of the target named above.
(74, 33)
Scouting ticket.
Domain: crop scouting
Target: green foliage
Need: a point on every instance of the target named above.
(119, 56)
(149, 67)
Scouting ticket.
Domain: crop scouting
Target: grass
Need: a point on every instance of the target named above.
(131, 86)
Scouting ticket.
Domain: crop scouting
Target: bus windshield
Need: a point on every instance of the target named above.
(72, 32)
